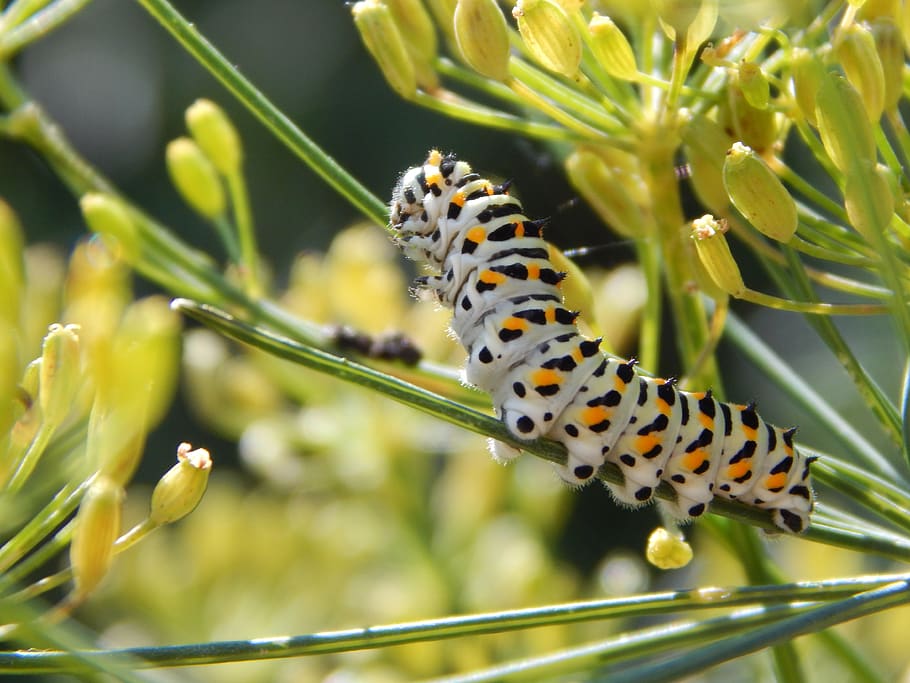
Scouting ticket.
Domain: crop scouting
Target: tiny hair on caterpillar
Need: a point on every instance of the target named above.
(489, 263)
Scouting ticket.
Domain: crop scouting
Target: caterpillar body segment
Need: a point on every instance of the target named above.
(489, 264)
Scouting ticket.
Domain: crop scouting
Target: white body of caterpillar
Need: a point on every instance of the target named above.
(491, 266)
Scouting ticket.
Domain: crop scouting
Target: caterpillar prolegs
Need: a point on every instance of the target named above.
(490, 265)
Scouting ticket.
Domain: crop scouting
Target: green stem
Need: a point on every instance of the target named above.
(268, 114)
(834, 590)
(811, 307)
(777, 370)
(243, 220)
(35, 26)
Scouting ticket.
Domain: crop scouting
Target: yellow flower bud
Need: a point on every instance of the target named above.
(107, 216)
(97, 528)
(385, 43)
(808, 73)
(60, 373)
(27, 421)
(179, 491)
(758, 194)
(890, 50)
(612, 49)
(705, 145)
(195, 177)
(667, 551)
(443, 12)
(844, 127)
(605, 191)
(12, 267)
(416, 28)
(216, 135)
(869, 200)
(483, 37)
(855, 48)
(754, 85)
(714, 254)
(755, 127)
(550, 35)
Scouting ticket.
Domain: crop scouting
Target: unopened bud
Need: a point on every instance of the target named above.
(550, 35)
(384, 42)
(714, 254)
(27, 418)
(216, 136)
(758, 194)
(602, 189)
(755, 127)
(844, 127)
(60, 373)
(869, 200)
(754, 85)
(705, 145)
(483, 37)
(611, 48)
(107, 216)
(808, 74)
(97, 528)
(890, 50)
(195, 177)
(856, 50)
(179, 491)
(443, 12)
(416, 28)
(667, 551)
(12, 267)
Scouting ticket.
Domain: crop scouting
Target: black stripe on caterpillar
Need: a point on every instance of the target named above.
(490, 264)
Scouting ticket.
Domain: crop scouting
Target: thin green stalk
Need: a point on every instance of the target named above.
(650, 326)
(262, 108)
(464, 110)
(810, 307)
(796, 284)
(42, 524)
(243, 220)
(655, 642)
(40, 556)
(584, 108)
(777, 370)
(35, 26)
(458, 626)
(809, 191)
(18, 11)
(784, 630)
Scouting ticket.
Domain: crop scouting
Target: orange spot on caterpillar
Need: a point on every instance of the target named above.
(692, 461)
(646, 443)
(545, 376)
(514, 323)
(491, 277)
(776, 481)
(739, 469)
(476, 234)
(593, 415)
(533, 271)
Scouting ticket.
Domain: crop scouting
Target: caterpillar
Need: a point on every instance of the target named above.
(489, 263)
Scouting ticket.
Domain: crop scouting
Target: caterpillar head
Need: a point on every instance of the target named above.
(420, 201)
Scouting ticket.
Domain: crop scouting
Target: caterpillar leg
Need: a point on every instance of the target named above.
(502, 453)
